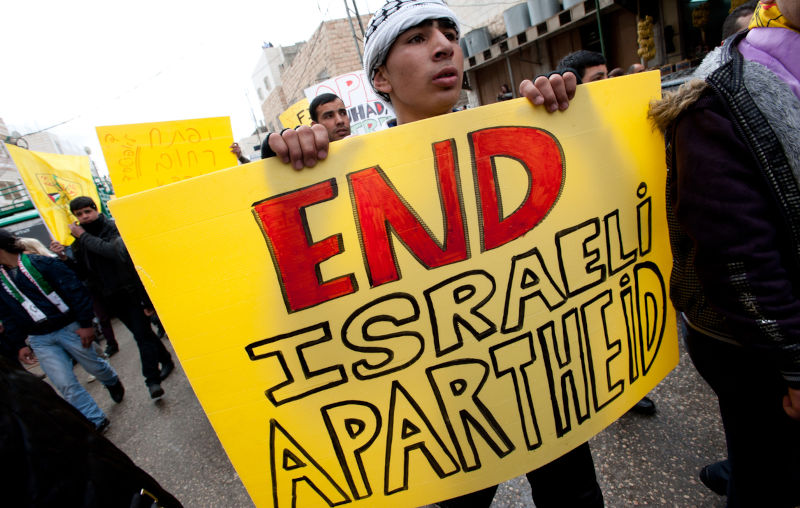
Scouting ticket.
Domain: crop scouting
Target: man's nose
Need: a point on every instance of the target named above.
(442, 45)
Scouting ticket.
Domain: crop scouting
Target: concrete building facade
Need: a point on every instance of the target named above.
(330, 51)
(10, 180)
(268, 72)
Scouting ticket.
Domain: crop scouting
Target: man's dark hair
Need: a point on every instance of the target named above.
(318, 101)
(729, 26)
(82, 202)
(8, 243)
(580, 60)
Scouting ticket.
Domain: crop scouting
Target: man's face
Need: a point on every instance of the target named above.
(333, 116)
(86, 215)
(423, 71)
(594, 73)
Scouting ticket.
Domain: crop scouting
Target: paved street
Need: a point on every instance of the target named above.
(641, 461)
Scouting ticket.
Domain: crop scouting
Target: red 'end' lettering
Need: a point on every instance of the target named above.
(379, 207)
(539, 154)
(285, 225)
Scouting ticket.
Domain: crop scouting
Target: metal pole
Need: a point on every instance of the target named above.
(352, 29)
(253, 113)
(663, 39)
(358, 17)
(511, 78)
(600, 29)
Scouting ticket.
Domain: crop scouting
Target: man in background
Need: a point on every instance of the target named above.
(738, 19)
(101, 258)
(329, 122)
(328, 110)
(635, 68)
(588, 65)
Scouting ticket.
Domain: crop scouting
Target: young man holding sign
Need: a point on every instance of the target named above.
(412, 55)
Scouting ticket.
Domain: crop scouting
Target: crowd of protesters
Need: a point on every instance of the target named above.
(733, 190)
(734, 223)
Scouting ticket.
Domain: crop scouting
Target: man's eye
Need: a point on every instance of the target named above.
(452, 36)
(416, 39)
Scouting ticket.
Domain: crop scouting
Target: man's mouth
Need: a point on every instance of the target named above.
(447, 77)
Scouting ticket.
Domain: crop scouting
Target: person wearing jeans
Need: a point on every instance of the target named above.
(55, 352)
(42, 298)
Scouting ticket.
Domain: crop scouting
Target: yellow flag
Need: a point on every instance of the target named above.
(433, 309)
(146, 155)
(53, 180)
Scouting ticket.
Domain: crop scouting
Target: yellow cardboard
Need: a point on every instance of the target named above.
(147, 155)
(296, 115)
(494, 348)
(53, 180)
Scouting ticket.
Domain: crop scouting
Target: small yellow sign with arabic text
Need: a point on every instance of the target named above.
(147, 155)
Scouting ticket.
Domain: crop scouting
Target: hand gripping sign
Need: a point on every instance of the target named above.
(435, 309)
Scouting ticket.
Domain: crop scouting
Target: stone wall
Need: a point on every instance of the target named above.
(329, 52)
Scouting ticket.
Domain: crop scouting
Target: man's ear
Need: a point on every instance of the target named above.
(313, 122)
(380, 80)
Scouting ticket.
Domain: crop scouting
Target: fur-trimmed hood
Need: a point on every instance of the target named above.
(664, 111)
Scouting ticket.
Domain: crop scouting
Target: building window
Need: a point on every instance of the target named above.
(260, 93)
(267, 83)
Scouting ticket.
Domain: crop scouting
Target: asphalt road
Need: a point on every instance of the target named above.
(640, 460)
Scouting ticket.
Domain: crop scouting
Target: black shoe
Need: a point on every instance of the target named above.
(166, 370)
(156, 392)
(103, 425)
(111, 350)
(645, 407)
(117, 391)
(715, 476)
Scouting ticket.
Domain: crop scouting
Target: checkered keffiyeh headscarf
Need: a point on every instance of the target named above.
(394, 18)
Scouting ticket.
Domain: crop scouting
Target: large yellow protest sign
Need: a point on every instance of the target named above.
(146, 155)
(296, 115)
(52, 181)
(434, 309)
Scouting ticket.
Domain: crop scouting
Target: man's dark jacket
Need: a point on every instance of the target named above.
(53, 456)
(103, 261)
(18, 323)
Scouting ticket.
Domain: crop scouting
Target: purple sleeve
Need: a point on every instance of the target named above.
(726, 208)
